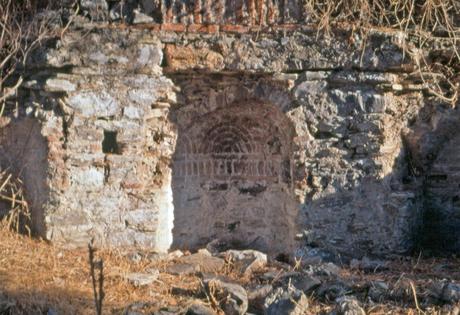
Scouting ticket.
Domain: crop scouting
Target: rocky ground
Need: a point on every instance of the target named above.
(37, 278)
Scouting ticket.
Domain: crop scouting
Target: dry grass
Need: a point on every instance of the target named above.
(12, 195)
(39, 276)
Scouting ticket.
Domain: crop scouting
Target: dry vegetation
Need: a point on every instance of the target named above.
(421, 22)
(36, 277)
(21, 30)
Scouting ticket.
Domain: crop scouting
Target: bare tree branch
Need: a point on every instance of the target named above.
(22, 29)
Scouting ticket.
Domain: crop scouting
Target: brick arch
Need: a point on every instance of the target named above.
(227, 138)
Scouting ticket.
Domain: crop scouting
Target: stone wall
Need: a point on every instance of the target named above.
(432, 144)
(111, 115)
(156, 136)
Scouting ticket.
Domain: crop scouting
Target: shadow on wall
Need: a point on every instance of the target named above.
(434, 144)
(24, 151)
(232, 178)
(342, 188)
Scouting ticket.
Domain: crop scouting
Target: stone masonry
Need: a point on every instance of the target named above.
(228, 120)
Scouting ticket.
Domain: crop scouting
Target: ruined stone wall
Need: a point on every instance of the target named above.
(103, 115)
(157, 138)
(432, 142)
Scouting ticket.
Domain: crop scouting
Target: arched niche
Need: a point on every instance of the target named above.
(232, 178)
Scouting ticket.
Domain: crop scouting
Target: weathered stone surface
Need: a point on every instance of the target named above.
(199, 309)
(59, 85)
(246, 261)
(448, 292)
(299, 281)
(92, 104)
(142, 279)
(327, 269)
(312, 136)
(96, 9)
(332, 290)
(183, 58)
(140, 18)
(196, 263)
(182, 269)
(286, 302)
(233, 298)
(256, 297)
(349, 305)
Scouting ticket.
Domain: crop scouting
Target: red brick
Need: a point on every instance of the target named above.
(203, 28)
(234, 28)
(173, 27)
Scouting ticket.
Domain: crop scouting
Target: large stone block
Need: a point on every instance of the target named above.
(94, 104)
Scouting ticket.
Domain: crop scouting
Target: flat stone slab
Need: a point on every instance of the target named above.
(142, 279)
(196, 263)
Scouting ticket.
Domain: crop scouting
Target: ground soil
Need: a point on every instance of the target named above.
(36, 277)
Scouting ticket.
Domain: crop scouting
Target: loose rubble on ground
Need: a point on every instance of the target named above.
(222, 280)
(319, 284)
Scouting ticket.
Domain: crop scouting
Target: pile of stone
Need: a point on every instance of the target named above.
(277, 288)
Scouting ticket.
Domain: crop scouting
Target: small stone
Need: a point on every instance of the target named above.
(175, 254)
(313, 256)
(448, 292)
(181, 269)
(132, 112)
(246, 261)
(90, 178)
(203, 263)
(378, 291)
(97, 9)
(233, 298)
(91, 104)
(349, 305)
(98, 57)
(170, 310)
(328, 270)
(141, 18)
(199, 309)
(150, 55)
(301, 281)
(142, 279)
(332, 290)
(256, 297)
(59, 85)
(286, 302)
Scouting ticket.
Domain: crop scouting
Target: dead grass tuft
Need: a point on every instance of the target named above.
(16, 214)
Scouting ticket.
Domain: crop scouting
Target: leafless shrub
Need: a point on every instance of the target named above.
(12, 195)
(420, 21)
(23, 27)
